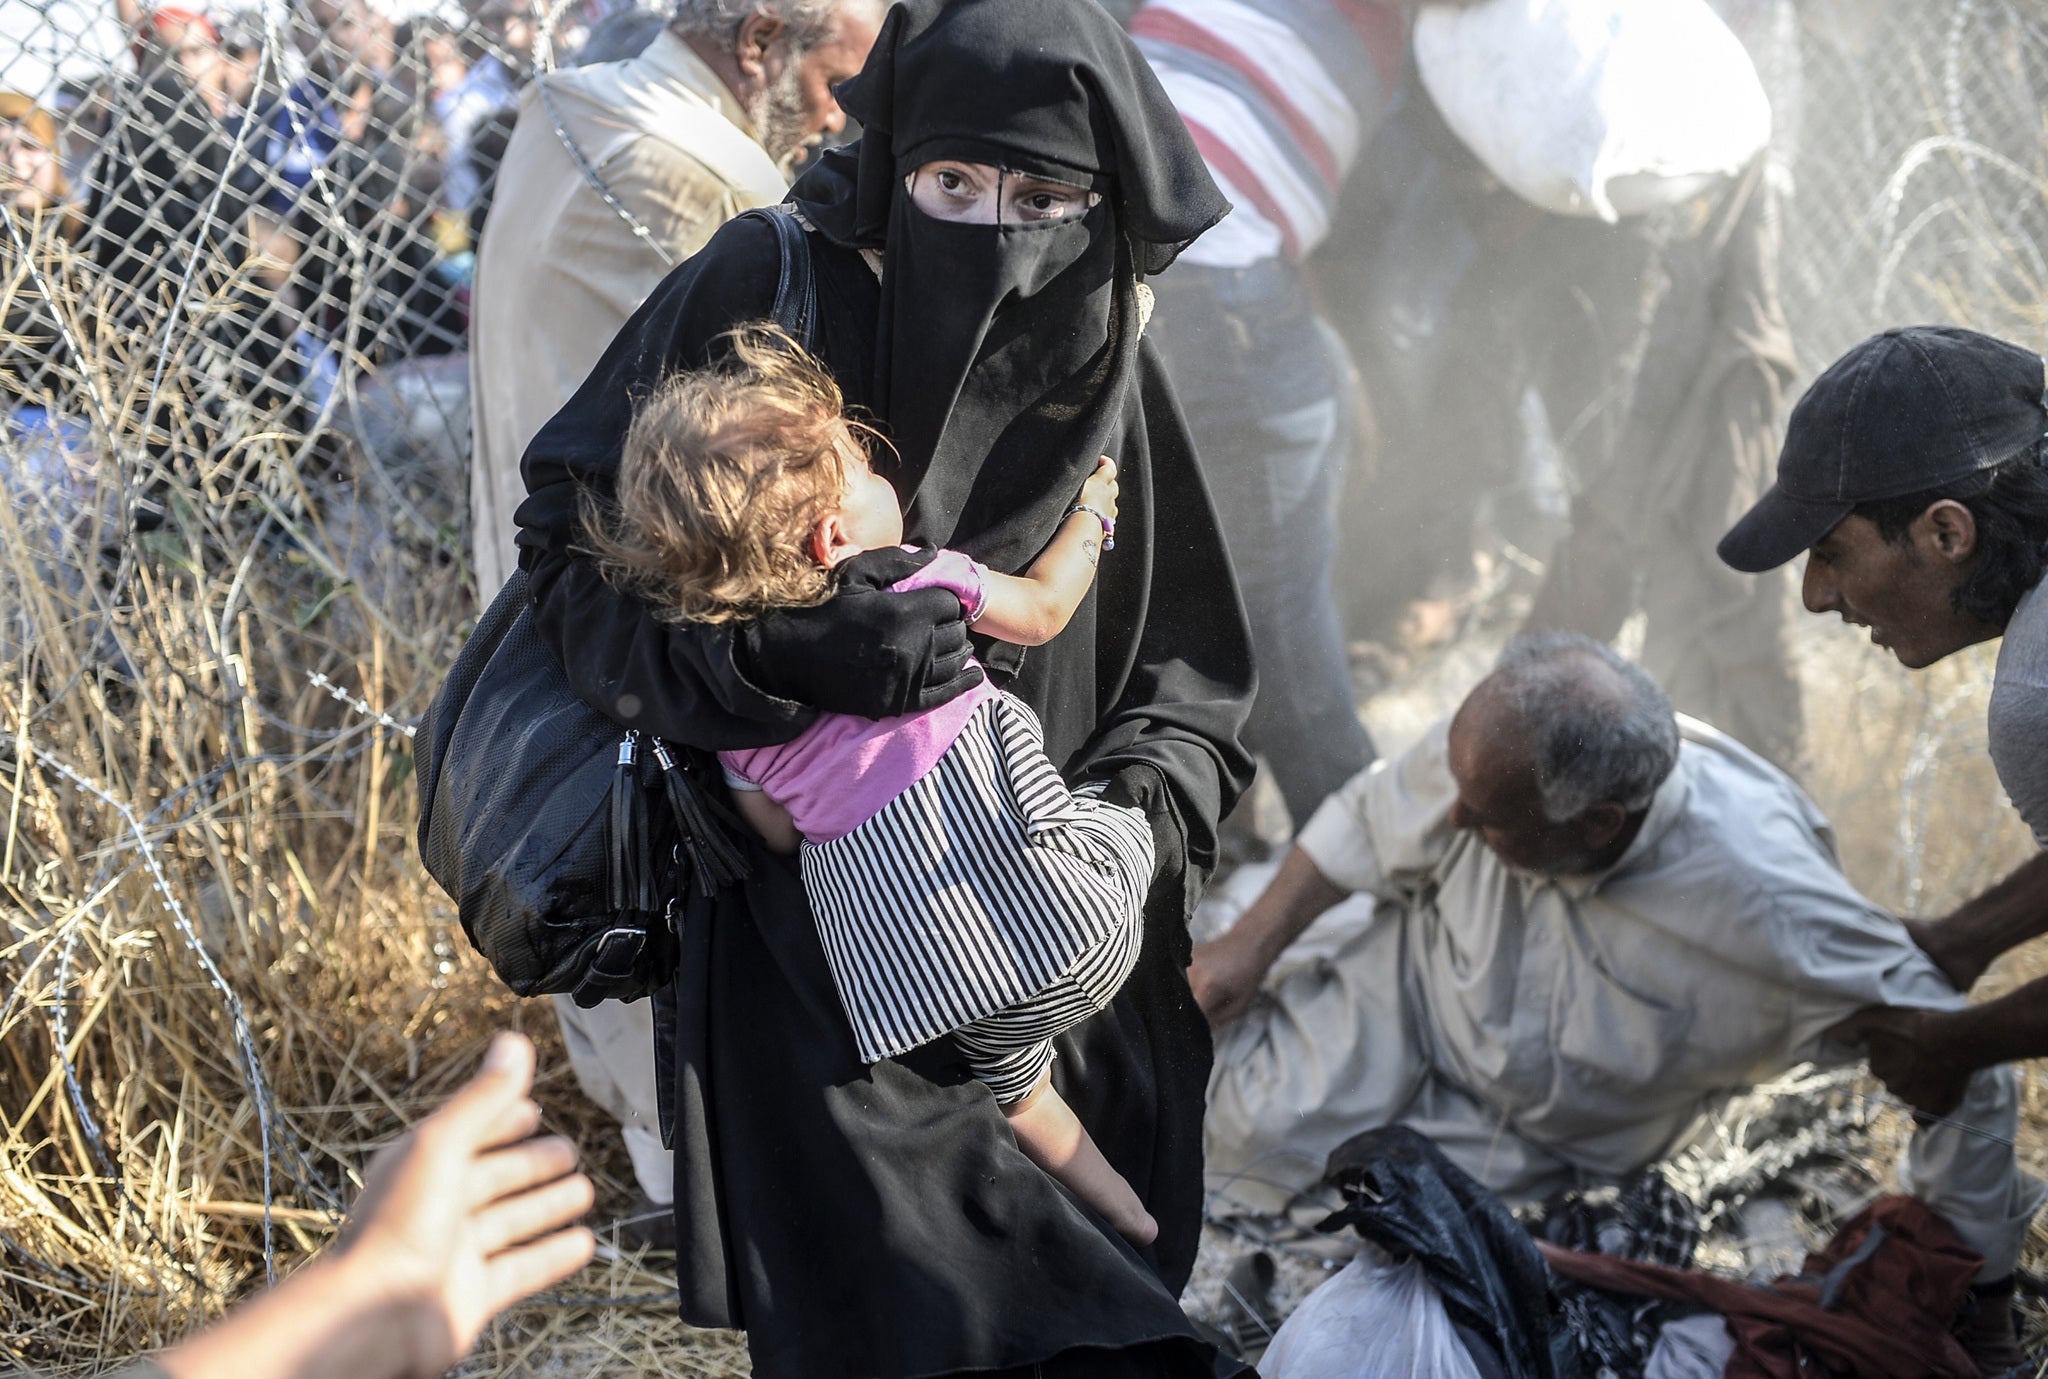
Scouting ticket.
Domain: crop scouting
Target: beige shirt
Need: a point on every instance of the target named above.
(559, 270)
(1555, 1029)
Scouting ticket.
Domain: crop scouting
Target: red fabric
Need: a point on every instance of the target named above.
(153, 24)
(1891, 1315)
(1169, 27)
(164, 18)
(1239, 174)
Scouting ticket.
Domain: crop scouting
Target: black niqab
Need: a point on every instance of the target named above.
(1007, 352)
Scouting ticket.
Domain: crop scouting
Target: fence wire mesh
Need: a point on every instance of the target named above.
(233, 562)
(1913, 134)
(234, 286)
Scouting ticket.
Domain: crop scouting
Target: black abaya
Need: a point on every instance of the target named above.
(880, 1220)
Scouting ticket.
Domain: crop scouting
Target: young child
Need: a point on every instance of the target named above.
(960, 887)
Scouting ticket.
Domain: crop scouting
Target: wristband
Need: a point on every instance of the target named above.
(1108, 524)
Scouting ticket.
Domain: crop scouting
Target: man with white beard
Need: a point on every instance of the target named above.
(614, 174)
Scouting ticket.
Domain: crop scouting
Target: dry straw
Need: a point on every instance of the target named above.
(223, 977)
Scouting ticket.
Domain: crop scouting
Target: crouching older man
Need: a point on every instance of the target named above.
(1590, 921)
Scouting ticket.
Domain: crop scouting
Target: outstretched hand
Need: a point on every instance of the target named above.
(1910, 1053)
(460, 1218)
(466, 1214)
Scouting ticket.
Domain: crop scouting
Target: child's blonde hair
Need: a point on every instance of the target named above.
(726, 473)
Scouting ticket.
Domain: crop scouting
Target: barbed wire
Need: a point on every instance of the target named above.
(245, 1042)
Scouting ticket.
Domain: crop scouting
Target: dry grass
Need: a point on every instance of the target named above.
(226, 978)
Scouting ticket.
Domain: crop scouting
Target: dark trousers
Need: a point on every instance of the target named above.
(1264, 387)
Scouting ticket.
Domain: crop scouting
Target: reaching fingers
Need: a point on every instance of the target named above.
(518, 1167)
(514, 1122)
(525, 1270)
(491, 1107)
(533, 1213)
(1105, 469)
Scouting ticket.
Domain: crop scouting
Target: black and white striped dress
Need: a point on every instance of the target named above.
(988, 901)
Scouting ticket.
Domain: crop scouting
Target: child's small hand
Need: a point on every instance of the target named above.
(1100, 490)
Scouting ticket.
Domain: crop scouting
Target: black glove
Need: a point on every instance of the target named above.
(1142, 788)
(1171, 898)
(865, 651)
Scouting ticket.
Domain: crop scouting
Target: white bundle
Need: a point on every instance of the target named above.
(1371, 1320)
(1601, 108)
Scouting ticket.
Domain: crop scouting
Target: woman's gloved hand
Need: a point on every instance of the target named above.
(865, 651)
(1142, 788)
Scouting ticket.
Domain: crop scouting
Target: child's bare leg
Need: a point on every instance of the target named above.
(1052, 1136)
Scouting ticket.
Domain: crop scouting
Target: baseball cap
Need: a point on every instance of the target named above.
(1906, 411)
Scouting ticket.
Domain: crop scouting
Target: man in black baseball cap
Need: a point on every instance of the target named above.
(1896, 474)
(1915, 478)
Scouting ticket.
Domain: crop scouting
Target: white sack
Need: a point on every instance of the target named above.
(1372, 1320)
(1602, 108)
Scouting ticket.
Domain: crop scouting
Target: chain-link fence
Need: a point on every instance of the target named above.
(234, 278)
(234, 289)
(1913, 132)
(241, 240)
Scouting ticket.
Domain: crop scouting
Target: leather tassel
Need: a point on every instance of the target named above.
(714, 857)
(628, 831)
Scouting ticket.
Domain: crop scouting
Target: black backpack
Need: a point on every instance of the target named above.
(563, 837)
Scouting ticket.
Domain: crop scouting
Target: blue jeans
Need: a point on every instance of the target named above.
(1262, 382)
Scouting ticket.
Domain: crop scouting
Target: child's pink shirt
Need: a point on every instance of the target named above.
(838, 773)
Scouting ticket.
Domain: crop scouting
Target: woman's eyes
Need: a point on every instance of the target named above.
(1042, 204)
(1046, 205)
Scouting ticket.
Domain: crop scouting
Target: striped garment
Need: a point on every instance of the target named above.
(983, 886)
(1011, 1049)
(1280, 96)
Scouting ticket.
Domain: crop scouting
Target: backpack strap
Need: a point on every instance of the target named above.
(796, 289)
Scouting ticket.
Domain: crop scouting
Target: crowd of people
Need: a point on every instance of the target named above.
(909, 1103)
(307, 183)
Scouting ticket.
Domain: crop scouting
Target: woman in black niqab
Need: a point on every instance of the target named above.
(880, 1220)
(1005, 352)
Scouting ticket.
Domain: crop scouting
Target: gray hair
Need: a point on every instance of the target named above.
(1592, 742)
(811, 22)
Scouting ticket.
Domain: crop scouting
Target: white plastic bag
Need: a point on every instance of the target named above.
(1372, 1320)
(1601, 108)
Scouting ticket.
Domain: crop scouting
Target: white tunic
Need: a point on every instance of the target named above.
(559, 270)
(1553, 1030)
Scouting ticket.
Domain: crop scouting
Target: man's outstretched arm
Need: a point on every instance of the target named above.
(1971, 939)
(1380, 832)
(1227, 972)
